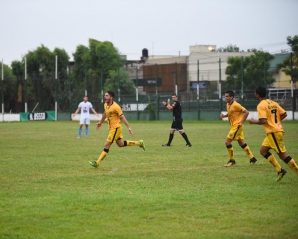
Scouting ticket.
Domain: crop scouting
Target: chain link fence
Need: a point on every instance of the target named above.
(200, 100)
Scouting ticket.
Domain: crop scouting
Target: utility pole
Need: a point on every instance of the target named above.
(198, 89)
(137, 92)
(219, 85)
(292, 93)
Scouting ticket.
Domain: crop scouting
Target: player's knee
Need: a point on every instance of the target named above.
(107, 145)
(120, 143)
(265, 153)
(228, 142)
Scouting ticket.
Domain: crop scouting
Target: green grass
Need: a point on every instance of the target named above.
(48, 189)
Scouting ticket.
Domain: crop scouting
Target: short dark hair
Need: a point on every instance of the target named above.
(230, 92)
(111, 93)
(174, 95)
(261, 91)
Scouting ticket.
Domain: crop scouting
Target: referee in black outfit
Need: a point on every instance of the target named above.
(177, 120)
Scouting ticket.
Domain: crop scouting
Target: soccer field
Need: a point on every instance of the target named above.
(49, 190)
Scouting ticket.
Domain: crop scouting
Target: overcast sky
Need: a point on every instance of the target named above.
(164, 27)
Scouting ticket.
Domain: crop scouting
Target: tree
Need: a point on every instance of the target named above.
(82, 61)
(255, 71)
(229, 48)
(7, 87)
(286, 64)
(41, 65)
(18, 71)
(100, 61)
(119, 79)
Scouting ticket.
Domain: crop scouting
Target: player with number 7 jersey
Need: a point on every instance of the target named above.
(270, 115)
(272, 111)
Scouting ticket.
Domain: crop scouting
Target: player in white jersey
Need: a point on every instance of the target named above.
(85, 106)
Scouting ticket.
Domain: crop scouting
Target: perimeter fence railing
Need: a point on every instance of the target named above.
(45, 93)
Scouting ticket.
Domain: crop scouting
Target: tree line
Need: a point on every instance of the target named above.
(100, 66)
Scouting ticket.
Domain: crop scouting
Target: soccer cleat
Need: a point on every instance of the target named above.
(94, 164)
(166, 145)
(253, 161)
(79, 137)
(188, 145)
(142, 144)
(230, 163)
(281, 174)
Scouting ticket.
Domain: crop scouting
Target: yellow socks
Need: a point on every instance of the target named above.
(102, 156)
(230, 151)
(131, 143)
(273, 161)
(291, 163)
(247, 150)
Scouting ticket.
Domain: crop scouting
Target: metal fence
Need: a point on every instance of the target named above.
(45, 93)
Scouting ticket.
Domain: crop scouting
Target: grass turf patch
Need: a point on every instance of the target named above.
(48, 189)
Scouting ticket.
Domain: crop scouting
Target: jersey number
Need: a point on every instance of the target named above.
(275, 116)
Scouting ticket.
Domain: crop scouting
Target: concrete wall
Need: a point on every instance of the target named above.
(204, 115)
(9, 117)
(93, 117)
(61, 116)
(166, 60)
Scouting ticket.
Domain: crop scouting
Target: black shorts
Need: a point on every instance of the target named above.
(177, 125)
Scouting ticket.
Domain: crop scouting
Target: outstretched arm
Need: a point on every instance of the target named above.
(244, 117)
(93, 110)
(77, 111)
(283, 116)
(122, 117)
(98, 125)
(259, 121)
(223, 115)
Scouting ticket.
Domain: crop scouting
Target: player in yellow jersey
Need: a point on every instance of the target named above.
(113, 113)
(270, 115)
(237, 115)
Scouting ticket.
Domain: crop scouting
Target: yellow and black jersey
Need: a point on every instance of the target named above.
(235, 112)
(271, 110)
(113, 113)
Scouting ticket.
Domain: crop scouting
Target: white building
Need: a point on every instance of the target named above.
(206, 57)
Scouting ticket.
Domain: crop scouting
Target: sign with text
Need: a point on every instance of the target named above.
(148, 82)
(202, 85)
(38, 116)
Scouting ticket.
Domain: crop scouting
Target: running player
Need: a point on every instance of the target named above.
(113, 113)
(237, 115)
(270, 115)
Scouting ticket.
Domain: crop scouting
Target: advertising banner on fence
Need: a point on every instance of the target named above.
(37, 116)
